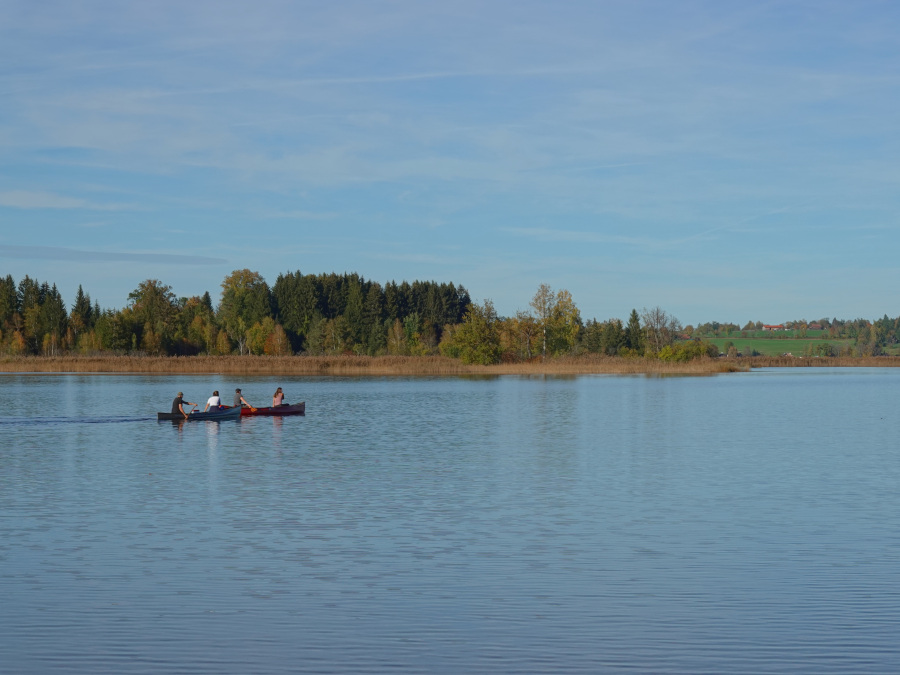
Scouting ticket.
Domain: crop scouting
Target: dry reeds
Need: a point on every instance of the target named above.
(818, 361)
(358, 365)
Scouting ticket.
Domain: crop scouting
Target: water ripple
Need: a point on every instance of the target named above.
(736, 524)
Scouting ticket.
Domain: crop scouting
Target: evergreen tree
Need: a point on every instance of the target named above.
(457, 310)
(391, 301)
(373, 318)
(332, 297)
(404, 293)
(591, 338)
(54, 318)
(29, 299)
(433, 311)
(29, 294)
(353, 312)
(82, 316)
(9, 303)
(297, 303)
(634, 335)
(613, 337)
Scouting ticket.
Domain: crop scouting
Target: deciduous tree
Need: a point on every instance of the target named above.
(661, 328)
(542, 304)
(478, 337)
(277, 343)
(245, 301)
(565, 323)
(153, 308)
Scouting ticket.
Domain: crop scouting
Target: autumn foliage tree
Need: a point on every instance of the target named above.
(558, 320)
(477, 339)
(246, 300)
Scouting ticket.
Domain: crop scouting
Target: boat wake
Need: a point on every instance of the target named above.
(29, 421)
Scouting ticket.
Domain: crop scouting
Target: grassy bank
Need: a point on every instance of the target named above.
(356, 365)
(776, 346)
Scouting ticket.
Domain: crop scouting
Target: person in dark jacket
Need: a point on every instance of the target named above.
(178, 403)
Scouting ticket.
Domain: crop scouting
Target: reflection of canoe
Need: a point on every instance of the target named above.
(293, 409)
(214, 414)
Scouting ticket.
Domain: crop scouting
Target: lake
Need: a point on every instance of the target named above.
(747, 522)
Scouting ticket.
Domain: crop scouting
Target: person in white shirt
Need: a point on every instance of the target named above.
(213, 402)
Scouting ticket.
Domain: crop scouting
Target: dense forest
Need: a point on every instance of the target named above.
(347, 314)
(326, 313)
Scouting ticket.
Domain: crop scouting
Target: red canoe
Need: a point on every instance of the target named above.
(295, 409)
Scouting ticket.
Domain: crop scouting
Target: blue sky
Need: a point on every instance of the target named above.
(726, 161)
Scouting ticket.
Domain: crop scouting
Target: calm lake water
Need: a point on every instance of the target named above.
(738, 523)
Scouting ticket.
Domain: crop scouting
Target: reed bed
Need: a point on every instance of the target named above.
(818, 362)
(357, 365)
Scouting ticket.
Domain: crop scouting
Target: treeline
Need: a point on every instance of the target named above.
(869, 338)
(836, 329)
(325, 314)
(553, 327)
(346, 314)
(320, 314)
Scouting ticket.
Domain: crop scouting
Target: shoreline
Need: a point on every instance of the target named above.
(349, 365)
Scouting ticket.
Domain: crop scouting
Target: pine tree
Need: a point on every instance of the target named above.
(634, 335)
(9, 304)
(81, 317)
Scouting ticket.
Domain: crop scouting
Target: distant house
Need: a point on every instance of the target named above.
(779, 326)
(815, 326)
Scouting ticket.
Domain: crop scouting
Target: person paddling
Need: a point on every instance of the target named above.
(239, 400)
(213, 402)
(278, 398)
(178, 403)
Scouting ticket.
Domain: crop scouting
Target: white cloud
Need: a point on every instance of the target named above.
(25, 199)
(81, 256)
(547, 234)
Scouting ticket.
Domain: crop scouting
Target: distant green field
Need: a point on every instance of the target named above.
(768, 335)
(774, 346)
